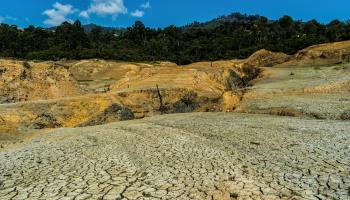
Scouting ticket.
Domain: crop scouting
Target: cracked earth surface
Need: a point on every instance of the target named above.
(184, 156)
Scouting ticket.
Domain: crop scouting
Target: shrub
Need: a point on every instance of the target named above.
(186, 104)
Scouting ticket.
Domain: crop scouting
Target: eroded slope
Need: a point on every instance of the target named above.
(92, 92)
(317, 92)
(28, 81)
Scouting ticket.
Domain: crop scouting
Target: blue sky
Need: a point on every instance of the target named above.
(161, 13)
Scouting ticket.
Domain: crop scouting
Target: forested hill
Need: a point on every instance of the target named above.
(89, 27)
(227, 37)
(233, 17)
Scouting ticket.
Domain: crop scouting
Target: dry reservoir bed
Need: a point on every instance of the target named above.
(184, 156)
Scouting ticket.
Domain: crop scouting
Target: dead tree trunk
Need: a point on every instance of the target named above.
(2, 119)
(161, 105)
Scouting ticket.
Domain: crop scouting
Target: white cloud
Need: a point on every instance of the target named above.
(146, 5)
(105, 7)
(11, 18)
(7, 18)
(138, 13)
(84, 14)
(58, 14)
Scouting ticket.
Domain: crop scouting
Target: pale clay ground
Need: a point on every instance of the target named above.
(184, 156)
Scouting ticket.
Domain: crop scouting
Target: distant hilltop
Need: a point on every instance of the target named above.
(88, 27)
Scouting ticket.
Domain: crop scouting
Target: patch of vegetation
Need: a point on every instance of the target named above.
(250, 73)
(234, 81)
(186, 104)
(317, 116)
(342, 67)
(113, 113)
(45, 120)
(291, 112)
(2, 71)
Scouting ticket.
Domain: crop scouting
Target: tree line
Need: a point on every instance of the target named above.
(183, 45)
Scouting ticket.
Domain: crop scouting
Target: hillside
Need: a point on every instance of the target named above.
(91, 92)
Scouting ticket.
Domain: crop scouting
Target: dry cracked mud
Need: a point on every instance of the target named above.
(184, 156)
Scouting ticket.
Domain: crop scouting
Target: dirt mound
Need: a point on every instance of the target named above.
(265, 58)
(324, 54)
(29, 81)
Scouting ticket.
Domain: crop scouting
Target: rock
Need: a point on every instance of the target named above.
(345, 115)
(125, 114)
